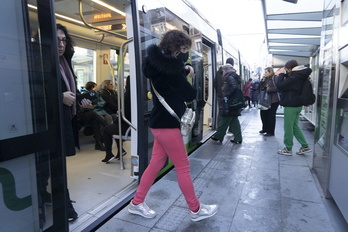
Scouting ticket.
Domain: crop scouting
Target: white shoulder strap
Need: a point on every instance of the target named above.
(165, 104)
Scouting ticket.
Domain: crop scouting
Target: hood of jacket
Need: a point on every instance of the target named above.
(233, 73)
(160, 62)
(301, 72)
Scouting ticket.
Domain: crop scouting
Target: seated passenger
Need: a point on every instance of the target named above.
(113, 129)
(87, 116)
(107, 92)
(98, 102)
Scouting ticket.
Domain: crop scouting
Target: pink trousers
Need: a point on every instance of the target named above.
(168, 143)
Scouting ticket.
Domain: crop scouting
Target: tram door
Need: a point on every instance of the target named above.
(31, 163)
(208, 67)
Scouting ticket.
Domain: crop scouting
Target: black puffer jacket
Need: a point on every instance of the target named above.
(231, 84)
(291, 86)
(168, 76)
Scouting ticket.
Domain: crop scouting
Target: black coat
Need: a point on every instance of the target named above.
(168, 76)
(71, 138)
(291, 85)
(231, 84)
(110, 97)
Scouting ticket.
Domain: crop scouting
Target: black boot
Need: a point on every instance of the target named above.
(108, 157)
(72, 215)
(99, 146)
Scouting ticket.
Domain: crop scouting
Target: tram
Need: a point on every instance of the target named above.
(111, 37)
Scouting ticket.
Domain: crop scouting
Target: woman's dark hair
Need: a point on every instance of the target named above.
(290, 64)
(90, 85)
(173, 40)
(69, 46)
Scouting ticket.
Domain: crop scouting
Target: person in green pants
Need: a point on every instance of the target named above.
(290, 83)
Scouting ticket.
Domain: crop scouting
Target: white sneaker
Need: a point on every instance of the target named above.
(285, 151)
(303, 150)
(205, 211)
(142, 209)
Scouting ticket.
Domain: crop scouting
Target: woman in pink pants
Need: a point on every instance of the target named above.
(166, 69)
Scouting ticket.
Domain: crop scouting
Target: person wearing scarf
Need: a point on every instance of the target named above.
(66, 51)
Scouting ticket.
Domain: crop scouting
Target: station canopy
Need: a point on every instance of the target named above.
(293, 27)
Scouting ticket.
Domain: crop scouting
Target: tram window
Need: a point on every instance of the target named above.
(83, 63)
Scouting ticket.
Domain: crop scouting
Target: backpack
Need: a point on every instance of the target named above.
(307, 96)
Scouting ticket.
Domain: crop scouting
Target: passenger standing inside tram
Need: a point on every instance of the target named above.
(290, 82)
(66, 51)
(268, 117)
(165, 67)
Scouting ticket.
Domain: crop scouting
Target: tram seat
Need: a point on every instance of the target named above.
(125, 137)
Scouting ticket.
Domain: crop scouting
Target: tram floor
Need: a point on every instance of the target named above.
(91, 181)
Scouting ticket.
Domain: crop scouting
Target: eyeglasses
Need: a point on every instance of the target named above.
(61, 40)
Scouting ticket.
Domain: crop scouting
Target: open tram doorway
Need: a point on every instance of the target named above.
(208, 74)
(101, 32)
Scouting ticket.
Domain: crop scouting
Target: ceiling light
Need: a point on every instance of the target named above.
(109, 7)
(70, 19)
(59, 15)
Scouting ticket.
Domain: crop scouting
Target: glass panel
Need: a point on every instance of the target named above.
(154, 21)
(326, 75)
(16, 120)
(343, 36)
(342, 125)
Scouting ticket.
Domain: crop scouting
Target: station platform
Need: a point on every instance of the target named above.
(256, 189)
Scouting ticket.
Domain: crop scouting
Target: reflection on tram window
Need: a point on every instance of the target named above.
(343, 142)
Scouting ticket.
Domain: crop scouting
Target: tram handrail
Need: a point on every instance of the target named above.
(120, 83)
(96, 28)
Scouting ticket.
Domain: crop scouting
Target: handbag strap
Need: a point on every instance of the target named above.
(165, 104)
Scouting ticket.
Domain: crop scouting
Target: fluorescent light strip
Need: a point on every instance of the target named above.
(70, 19)
(109, 7)
(59, 15)
(33, 7)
